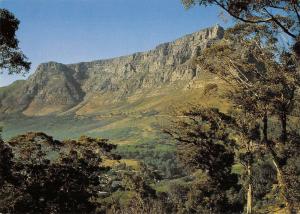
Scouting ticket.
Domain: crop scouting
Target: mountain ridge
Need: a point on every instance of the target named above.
(121, 76)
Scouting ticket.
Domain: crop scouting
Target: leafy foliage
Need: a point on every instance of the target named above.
(206, 144)
(264, 81)
(52, 176)
(11, 57)
(160, 158)
(279, 14)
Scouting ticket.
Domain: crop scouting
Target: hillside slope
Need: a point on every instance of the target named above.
(124, 98)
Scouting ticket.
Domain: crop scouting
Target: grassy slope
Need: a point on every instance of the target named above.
(12, 87)
(135, 124)
(137, 119)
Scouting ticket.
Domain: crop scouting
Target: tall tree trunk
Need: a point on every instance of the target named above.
(280, 176)
(283, 187)
(249, 174)
(265, 127)
(283, 118)
(249, 192)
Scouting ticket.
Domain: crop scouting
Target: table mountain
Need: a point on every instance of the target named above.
(120, 98)
(55, 87)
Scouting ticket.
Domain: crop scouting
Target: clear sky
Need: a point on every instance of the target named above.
(70, 31)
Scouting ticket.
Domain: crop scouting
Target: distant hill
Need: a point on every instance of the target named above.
(125, 98)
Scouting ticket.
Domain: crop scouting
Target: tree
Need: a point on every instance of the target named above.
(141, 197)
(247, 134)
(205, 143)
(278, 14)
(13, 60)
(264, 81)
(11, 57)
(51, 176)
(292, 168)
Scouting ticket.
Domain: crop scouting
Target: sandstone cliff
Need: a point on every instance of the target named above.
(57, 88)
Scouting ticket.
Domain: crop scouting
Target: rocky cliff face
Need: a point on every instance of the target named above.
(56, 87)
(51, 88)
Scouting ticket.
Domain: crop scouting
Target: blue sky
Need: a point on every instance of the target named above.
(70, 31)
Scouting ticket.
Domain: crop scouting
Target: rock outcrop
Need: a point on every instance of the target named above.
(56, 88)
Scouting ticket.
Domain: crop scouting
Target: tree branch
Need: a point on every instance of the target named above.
(280, 25)
(274, 19)
(240, 18)
(296, 11)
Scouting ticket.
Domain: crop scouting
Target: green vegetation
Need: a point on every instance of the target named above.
(35, 180)
(264, 82)
(161, 158)
(235, 154)
(12, 58)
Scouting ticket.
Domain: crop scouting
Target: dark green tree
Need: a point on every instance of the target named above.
(142, 198)
(205, 144)
(11, 57)
(51, 176)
